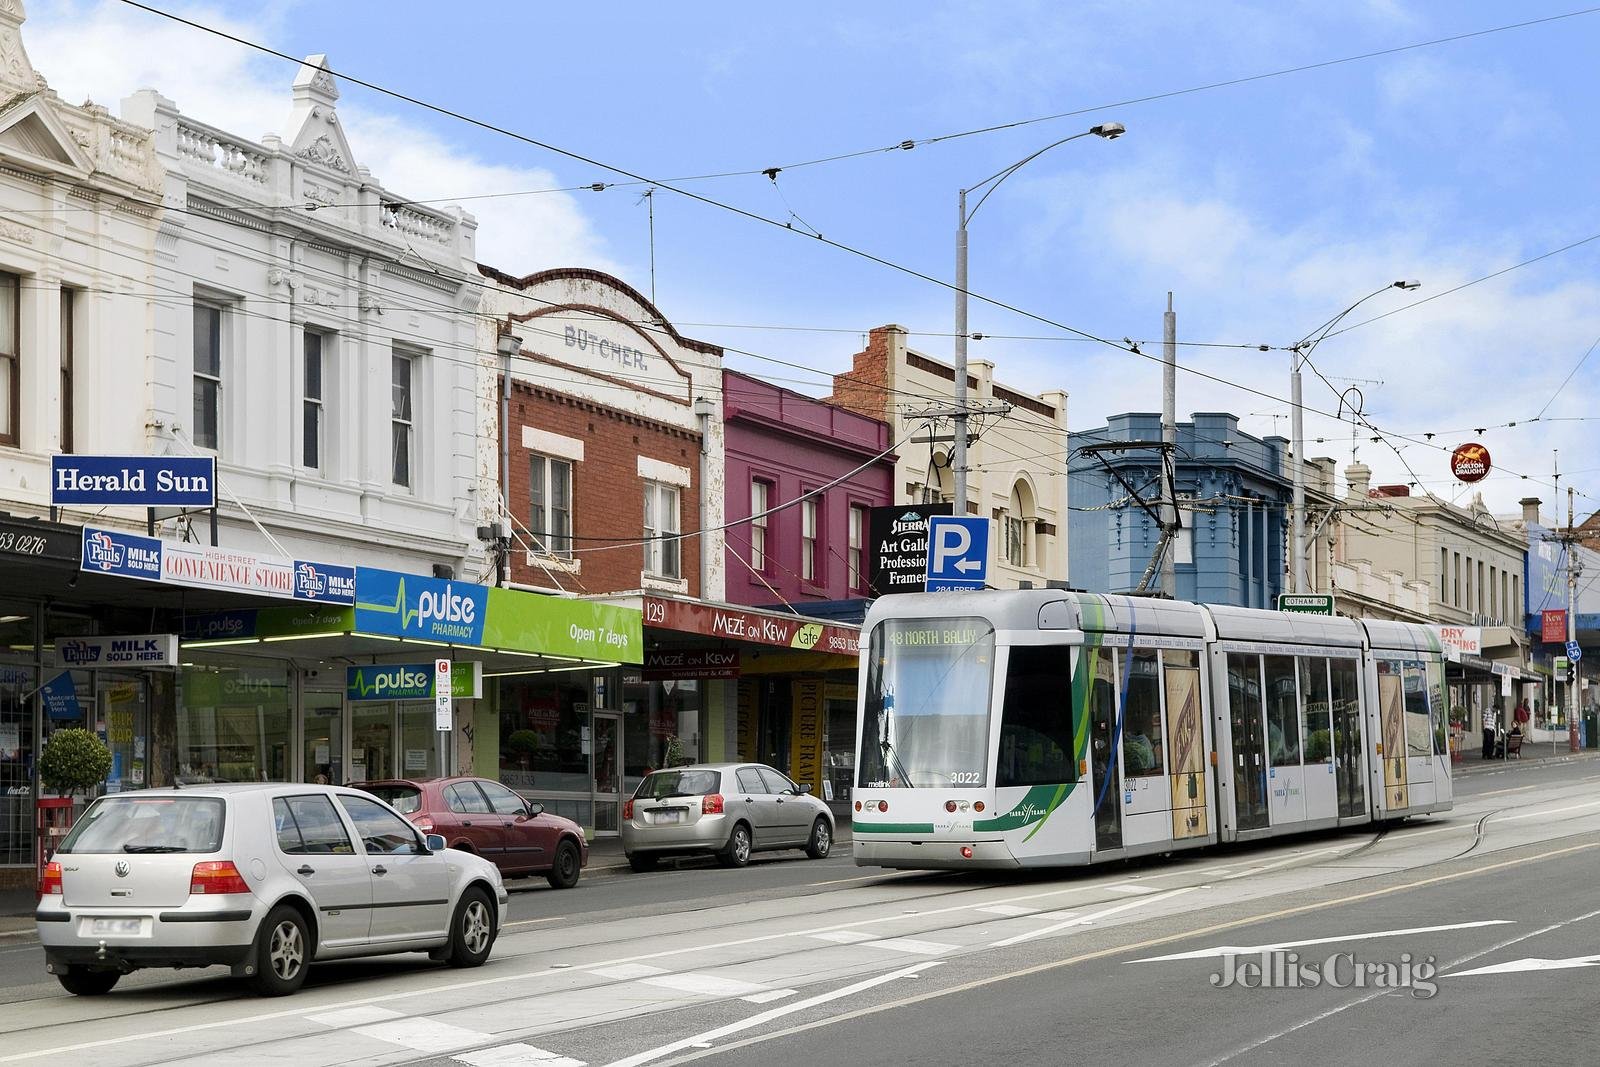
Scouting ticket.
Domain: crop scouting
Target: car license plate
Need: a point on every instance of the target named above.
(114, 926)
(672, 815)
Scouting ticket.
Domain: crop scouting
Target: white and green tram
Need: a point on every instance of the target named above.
(1042, 727)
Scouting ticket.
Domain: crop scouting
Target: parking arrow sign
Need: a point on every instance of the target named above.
(958, 552)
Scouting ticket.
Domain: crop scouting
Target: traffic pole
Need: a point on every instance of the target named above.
(1572, 630)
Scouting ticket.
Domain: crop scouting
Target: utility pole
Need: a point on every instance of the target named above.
(1572, 627)
(1297, 517)
(958, 448)
(1169, 441)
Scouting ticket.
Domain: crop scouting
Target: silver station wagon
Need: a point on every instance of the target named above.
(263, 878)
(727, 809)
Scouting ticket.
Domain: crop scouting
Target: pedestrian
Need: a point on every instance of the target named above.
(1521, 716)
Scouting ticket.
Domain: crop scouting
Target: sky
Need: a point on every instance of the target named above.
(1266, 207)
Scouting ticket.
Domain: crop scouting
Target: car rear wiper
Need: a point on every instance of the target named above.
(154, 848)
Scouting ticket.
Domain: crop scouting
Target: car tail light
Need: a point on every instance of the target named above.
(216, 877)
(627, 808)
(50, 881)
(425, 824)
(711, 804)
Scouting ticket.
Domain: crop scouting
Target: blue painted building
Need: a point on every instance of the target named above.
(1233, 492)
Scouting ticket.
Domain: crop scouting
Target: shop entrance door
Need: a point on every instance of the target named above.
(371, 741)
(607, 749)
(323, 733)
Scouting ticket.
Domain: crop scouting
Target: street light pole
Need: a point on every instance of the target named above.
(1298, 352)
(958, 453)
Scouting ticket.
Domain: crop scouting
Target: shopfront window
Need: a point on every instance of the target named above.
(661, 727)
(545, 742)
(421, 741)
(235, 724)
(16, 747)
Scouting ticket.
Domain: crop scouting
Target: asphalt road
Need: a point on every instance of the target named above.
(794, 961)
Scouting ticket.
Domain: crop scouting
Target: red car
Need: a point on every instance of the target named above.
(484, 817)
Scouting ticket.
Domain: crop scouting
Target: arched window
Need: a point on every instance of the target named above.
(1020, 522)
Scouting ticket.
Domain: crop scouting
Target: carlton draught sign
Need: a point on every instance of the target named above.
(1470, 462)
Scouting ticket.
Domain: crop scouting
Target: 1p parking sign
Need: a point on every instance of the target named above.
(443, 702)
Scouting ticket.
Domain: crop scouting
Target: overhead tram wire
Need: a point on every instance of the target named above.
(911, 143)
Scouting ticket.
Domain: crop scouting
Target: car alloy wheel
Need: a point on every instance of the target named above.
(475, 926)
(286, 954)
(821, 840)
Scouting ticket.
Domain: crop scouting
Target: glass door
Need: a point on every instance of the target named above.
(607, 749)
(422, 745)
(324, 738)
(1107, 776)
(371, 741)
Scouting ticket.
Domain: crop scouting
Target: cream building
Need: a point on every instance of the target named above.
(1017, 469)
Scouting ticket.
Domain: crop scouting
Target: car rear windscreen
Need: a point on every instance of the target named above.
(136, 824)
(690, 783)
(403, 798)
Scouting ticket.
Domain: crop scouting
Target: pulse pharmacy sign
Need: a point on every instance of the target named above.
(410, 681)
(411, 605)
(134, 481)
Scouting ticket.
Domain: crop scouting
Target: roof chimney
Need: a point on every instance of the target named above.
(1530, 510)
(1359, 475)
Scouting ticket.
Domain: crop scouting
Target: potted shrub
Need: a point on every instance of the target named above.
(74, 761)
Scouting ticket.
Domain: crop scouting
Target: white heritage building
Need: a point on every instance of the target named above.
(267, 302)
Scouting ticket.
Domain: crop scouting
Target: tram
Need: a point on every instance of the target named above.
(1041, 727)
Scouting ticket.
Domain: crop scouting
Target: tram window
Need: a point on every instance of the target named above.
(1441, 734)
(1036, 720)
(1315, 725)
(1419, 728)
(1283, 712)
(1141, 719)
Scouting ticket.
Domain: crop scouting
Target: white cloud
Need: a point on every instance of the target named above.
(83, 51)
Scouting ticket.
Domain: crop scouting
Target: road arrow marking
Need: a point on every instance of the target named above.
(1532, 964)
(1252, 950)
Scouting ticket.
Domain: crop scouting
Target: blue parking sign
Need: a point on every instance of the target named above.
(958, 552)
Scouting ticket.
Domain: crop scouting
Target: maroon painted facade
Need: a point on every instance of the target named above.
(795, 444)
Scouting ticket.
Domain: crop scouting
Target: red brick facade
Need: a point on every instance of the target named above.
(865, 389)
(607, 491)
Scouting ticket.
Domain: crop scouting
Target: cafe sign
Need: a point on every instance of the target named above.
(758, 627)
(690, 664)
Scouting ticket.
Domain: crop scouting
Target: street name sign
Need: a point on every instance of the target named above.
(1306, 603)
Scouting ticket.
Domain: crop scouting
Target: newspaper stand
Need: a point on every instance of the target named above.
(54, 822)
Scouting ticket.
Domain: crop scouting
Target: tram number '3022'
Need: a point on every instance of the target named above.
(965, 778)
(21, 544)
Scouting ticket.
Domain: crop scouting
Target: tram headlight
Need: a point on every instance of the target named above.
(977, 805)
(858, 805)
(966, 852)
(950, 806)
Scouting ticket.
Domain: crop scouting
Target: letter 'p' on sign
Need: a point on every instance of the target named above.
(443, 703)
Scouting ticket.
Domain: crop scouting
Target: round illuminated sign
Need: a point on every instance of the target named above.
(1470, 462)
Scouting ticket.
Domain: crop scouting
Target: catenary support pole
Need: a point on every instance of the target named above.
(1169, 441)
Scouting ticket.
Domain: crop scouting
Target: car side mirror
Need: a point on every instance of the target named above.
(803, 787)
(534, 809)
(435, 842)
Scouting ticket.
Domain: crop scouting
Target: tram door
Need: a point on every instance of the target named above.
(1247, 715)
(1347, 746)
(1107, 781)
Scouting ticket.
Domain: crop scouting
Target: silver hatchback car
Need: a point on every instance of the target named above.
(729, 809)
(263, 878)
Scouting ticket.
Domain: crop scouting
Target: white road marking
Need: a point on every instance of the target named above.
(1533, 964)
(1138, 890)
(912, 945)
(518, 1055)
(705, 985)
(762, 1018)
(353, 1016)
(627, 972)
(1552, 811)
(1251, 950)
(424, 1035)
(1008, 909)
(769, 996)
(1084, 920)
(843, 937)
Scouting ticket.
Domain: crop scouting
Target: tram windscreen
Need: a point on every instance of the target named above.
(925, 712)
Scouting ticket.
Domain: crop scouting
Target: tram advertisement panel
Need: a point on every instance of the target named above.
(1391, 708)
(1188, 761)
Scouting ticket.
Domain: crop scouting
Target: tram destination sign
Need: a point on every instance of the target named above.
(1306, 603)
(137, 481)
(898, 562)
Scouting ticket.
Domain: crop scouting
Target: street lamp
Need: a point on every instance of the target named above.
(1297, 355)
(958, 456)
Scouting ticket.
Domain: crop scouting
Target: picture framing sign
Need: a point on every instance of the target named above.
(134, 481)
(898, 560)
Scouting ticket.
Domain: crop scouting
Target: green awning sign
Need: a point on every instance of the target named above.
(409, 681)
